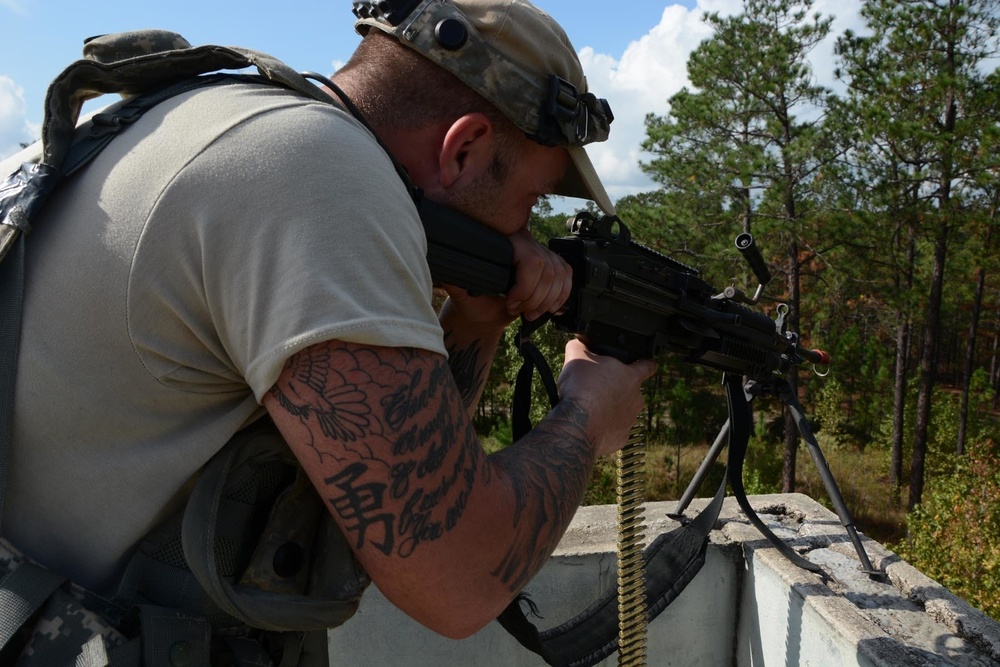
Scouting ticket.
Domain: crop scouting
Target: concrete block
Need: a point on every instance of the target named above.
(749, 606)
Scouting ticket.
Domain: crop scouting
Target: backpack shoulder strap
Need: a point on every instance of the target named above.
(132, 63)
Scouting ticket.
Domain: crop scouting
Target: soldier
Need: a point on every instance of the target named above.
(244, 251)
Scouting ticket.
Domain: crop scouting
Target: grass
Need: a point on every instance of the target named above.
(861, 477)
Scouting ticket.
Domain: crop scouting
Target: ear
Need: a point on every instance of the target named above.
(466, 150)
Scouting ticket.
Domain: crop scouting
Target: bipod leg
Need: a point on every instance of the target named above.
(706, 464)
(832, 490)
(702, 472)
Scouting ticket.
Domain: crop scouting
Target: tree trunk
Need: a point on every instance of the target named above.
(970, 357)
(932, 329)
(899, 405)
(903, 332)
(791, 429)
(995, 363)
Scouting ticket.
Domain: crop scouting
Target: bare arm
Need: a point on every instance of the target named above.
(470, 355)
(448, 534)
(473, 325)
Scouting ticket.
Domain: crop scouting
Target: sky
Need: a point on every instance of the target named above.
(634, 52)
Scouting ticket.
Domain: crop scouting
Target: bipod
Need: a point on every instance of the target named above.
(781, 388)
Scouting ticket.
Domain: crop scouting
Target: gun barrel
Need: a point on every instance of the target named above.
(816, 356)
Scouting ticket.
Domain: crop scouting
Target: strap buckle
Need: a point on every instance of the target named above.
(391, 11)
(573, 119)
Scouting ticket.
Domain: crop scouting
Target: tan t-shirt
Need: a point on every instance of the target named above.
(168, 282)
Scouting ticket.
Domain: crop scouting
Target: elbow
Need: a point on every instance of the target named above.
(463, 626)
(456, 616)
(459, 627)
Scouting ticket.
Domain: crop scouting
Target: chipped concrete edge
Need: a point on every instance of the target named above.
(593, 530)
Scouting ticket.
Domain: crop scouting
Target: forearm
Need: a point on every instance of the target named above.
(471, 347)
(447, 533)
(548, 471)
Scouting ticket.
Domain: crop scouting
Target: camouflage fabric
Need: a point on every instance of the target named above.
(64, 627)
(521, 61)
(508, 54)
(132, 62)
(109, 49)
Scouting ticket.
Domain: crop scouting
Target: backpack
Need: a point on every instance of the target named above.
(254, 569)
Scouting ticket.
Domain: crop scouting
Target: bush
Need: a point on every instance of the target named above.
(831, 414)
(954, 535)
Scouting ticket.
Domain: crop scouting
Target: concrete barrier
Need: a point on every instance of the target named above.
(749, 606)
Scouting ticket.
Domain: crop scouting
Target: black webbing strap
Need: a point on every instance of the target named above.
(23, 591)
(532, 360)
(106, 126)
(671, 561)
(740, 417)
(11, 297)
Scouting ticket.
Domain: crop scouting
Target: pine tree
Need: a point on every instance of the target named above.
(747, 142)
(913, 87)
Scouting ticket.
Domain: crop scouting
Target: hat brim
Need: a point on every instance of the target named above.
(581, 181)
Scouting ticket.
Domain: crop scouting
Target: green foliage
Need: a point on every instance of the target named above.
(831, 414)
(603, 486)
(954, 535)
(763, 465)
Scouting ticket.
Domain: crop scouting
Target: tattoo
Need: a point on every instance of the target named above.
(331, 396)
(404, 471)
(549, 482)
(469, 371)
(359, 505)
(405, 402)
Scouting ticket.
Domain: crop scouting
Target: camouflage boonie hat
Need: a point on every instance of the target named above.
(519, 59)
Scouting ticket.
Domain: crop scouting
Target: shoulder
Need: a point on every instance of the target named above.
(267, 142)
(262, 116)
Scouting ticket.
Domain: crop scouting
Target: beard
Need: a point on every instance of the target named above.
(480, 199)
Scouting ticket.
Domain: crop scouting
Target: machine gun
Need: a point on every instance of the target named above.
(630, 301)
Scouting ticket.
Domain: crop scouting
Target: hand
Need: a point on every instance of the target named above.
(542, 284)
(543, 279)
(609, 391)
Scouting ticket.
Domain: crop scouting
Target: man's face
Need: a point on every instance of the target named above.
(503, 197)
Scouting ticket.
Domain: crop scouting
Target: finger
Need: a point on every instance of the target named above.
(529, 266)
(560, 288)
(543, 279)
(545, 296)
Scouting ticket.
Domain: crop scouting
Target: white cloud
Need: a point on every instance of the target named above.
(654, 67)
(14, 127)
(637, 83)
(15, 6)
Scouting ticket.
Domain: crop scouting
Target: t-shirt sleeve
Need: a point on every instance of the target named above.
(290, 229)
